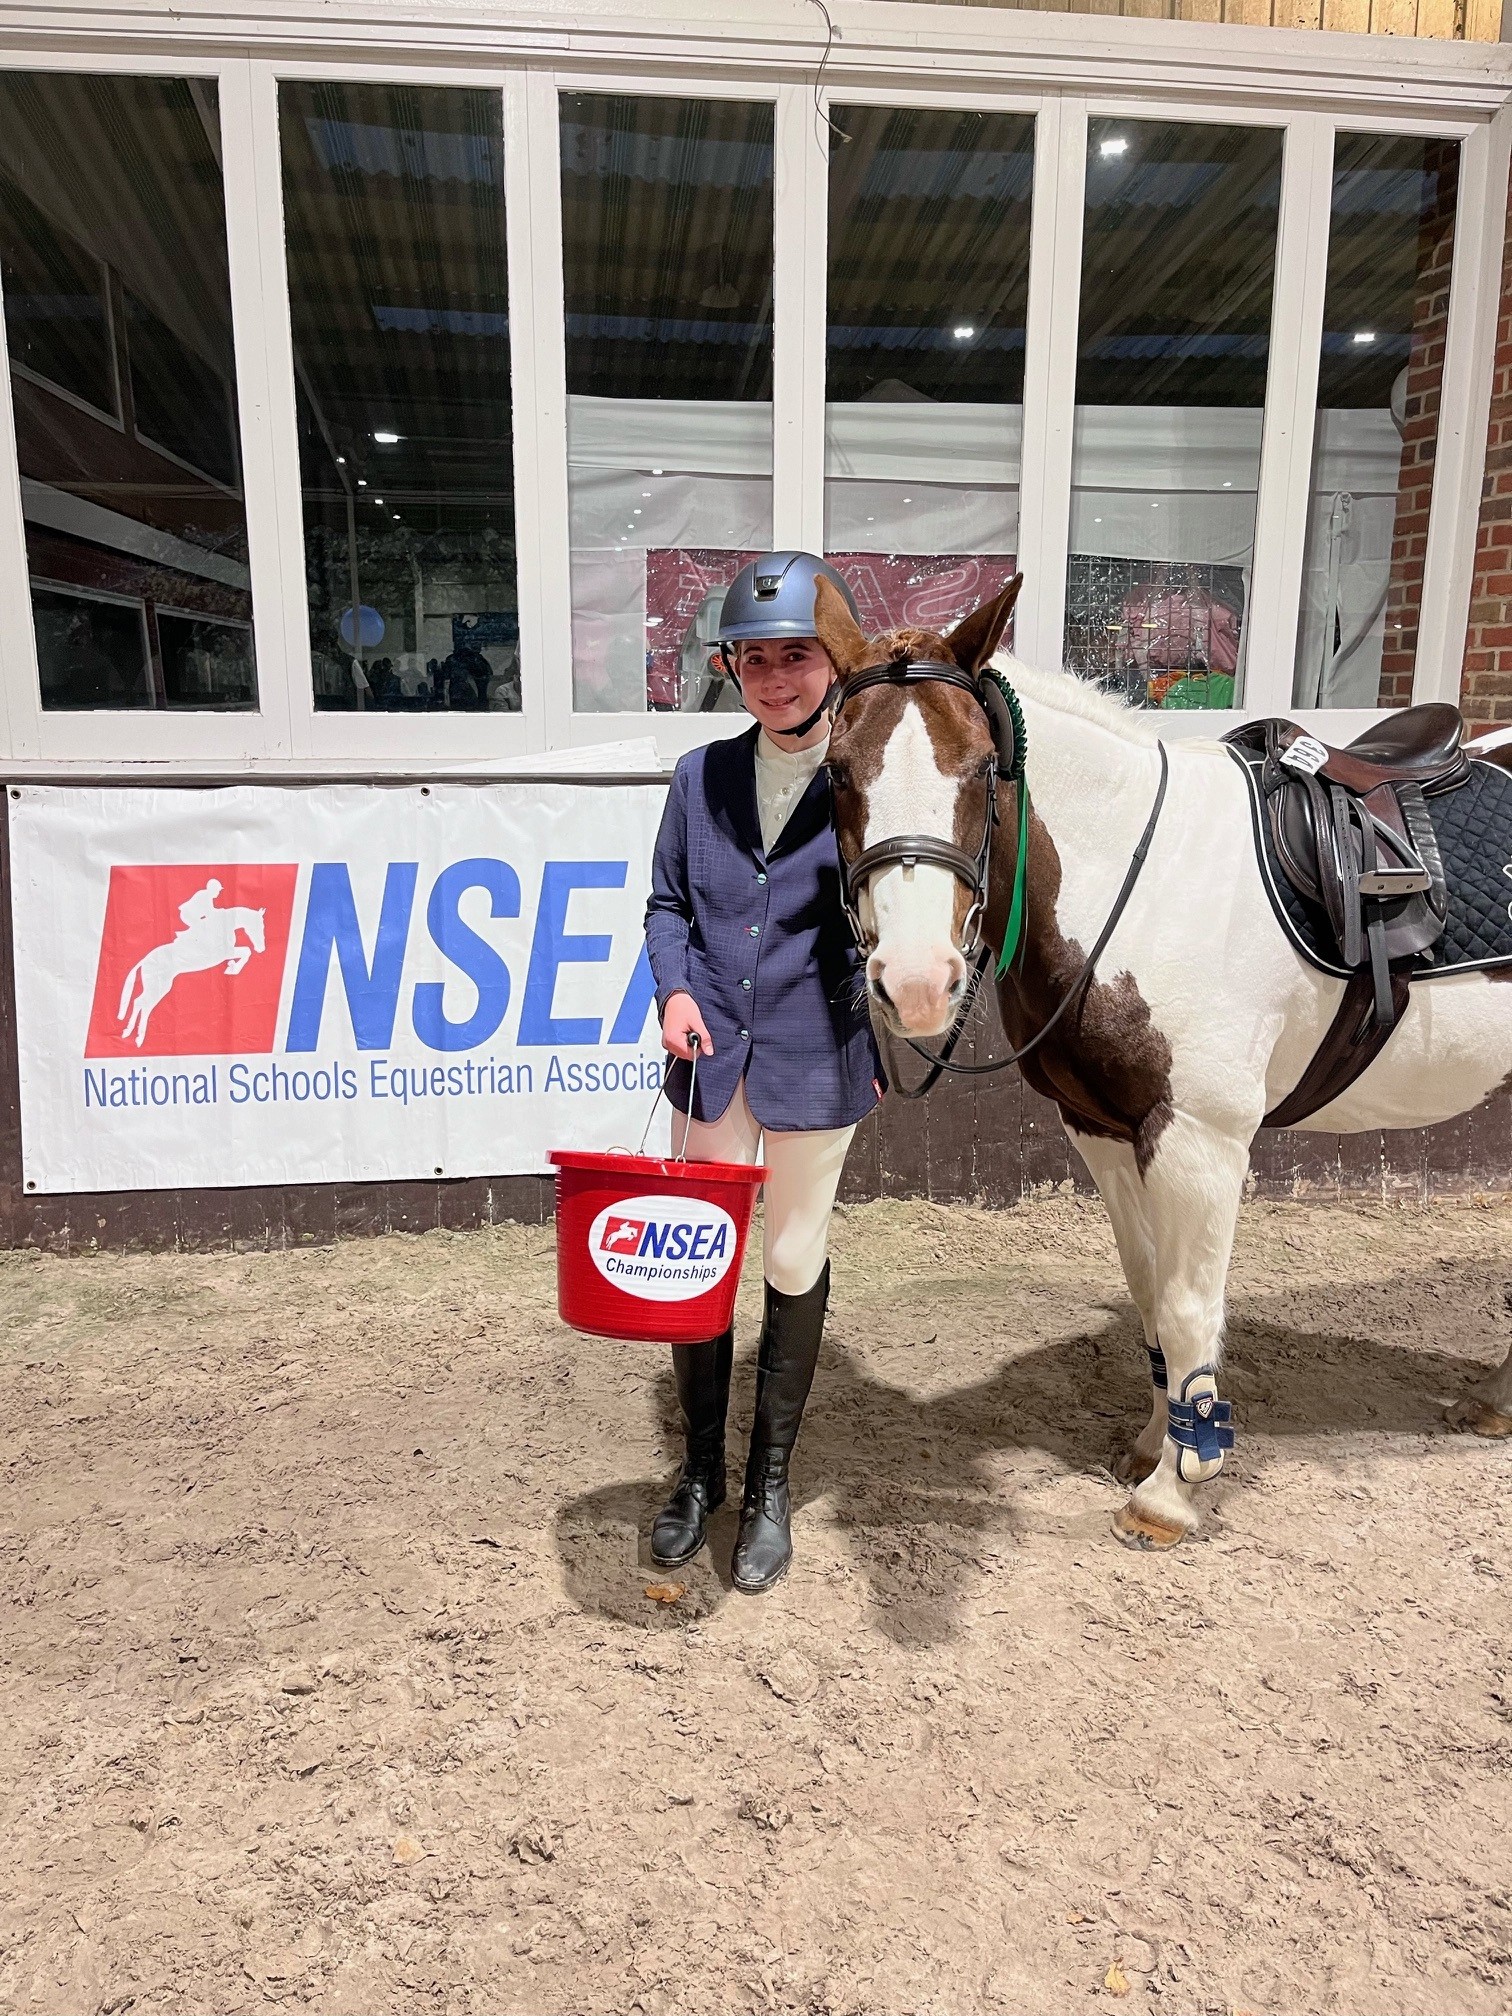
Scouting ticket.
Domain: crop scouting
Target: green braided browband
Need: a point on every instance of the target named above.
(1013, 936)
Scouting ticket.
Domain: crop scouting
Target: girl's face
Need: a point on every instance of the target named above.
(783, 679)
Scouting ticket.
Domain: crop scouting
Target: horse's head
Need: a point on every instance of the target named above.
(909, 760)
(253, 920)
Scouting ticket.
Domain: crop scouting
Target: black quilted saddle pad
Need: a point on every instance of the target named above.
(1474, 829)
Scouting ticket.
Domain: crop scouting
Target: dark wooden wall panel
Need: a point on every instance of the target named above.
(988, 1140)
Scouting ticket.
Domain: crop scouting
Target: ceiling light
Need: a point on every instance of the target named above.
(1228, 486)
(1364, 335)
(645, 493)
(908, 500)
(1097, 521)
(871, 521)
(396, 517)
(362, 482)
(1110, 149)
(636, 512)
(384, 438)
(341, 461)
(656, 472)
(377, 500)
(963, 332)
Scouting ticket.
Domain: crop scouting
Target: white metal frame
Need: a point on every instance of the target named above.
(1060, 67)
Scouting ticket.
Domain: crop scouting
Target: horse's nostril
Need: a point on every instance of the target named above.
(879, 988)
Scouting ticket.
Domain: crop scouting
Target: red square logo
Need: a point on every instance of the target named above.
(622, 1235)
(192, 960)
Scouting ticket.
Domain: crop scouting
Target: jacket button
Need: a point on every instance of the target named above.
(759, 876)
(745, 1035)
(747, 985)
(755, 930)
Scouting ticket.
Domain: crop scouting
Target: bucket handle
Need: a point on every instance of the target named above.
(694, 1046)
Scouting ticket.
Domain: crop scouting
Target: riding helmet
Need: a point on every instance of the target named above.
(774, 597)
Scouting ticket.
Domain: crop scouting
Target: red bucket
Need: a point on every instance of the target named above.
(649, 1248)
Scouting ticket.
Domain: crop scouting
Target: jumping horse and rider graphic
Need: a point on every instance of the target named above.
(210, 936)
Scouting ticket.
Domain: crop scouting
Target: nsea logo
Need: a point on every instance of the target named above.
(193, 957)
(663, 1249)
(191, 960)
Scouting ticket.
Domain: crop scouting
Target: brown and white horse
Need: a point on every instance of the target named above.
(1199, 1018)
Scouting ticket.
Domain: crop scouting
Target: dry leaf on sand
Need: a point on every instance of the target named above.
(1116, 1981)
(665, 1592)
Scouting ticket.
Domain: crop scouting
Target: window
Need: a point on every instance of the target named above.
(928, 291)
(1385, 312)
(399, 299)
(667, 253)
(118, 324)
(1178, 264)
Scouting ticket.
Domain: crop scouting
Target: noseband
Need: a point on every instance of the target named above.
(906, 850)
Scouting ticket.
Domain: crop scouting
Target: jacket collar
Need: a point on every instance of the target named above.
(730, 776)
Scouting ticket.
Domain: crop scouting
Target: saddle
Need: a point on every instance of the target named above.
(1351, 832)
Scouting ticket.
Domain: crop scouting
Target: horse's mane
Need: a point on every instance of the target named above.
(1069, 695)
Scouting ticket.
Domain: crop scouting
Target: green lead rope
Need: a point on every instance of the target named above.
(1013, 935)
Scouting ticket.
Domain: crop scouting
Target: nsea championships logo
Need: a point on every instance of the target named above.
(663, 1249)
(193, 962)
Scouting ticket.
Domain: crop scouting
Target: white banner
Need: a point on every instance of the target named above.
(339, 983)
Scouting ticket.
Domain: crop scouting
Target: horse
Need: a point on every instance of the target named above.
(207, 940)
(1196, 1018)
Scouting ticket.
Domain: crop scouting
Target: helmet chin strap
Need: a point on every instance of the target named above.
(812, 721)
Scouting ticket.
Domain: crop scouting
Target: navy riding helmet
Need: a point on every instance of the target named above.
(774, 597)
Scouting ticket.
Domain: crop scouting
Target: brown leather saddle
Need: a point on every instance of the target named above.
(1352, 834)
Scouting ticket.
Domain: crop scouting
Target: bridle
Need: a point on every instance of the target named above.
(907, 850)
(1005, 720)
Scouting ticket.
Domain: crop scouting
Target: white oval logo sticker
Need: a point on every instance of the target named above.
(663, 1249)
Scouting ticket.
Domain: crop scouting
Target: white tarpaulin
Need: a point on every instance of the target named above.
(332, 984)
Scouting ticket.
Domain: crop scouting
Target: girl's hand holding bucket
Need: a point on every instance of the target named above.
(682, 1021)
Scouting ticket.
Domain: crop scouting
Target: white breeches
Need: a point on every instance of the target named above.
(799, 1194)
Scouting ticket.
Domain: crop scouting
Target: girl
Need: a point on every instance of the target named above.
(754, 960)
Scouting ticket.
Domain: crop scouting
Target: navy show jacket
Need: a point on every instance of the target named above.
(761, 943)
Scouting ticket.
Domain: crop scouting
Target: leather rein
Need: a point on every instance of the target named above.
(1005, 719)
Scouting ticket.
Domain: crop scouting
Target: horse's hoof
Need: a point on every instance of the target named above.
(1479, 1417)
(1143, 1530)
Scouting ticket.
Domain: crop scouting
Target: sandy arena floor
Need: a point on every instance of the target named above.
(330, 1676)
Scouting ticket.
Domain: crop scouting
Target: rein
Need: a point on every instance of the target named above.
(1000, 704)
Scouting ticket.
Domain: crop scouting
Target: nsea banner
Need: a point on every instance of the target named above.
(339, 983)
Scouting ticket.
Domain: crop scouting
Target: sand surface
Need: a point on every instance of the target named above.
(330, 1677)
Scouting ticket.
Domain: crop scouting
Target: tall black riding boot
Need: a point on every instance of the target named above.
(703, 1392)
(784, 1373)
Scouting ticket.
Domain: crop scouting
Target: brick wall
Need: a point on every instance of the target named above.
(1486, 687)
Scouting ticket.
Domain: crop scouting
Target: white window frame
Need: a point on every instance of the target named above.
(1061, 68)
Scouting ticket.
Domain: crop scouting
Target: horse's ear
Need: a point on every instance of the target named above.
(837, 630)
(977, 636)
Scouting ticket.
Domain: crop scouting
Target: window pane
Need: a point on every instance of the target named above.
(1385, 310)
(118, 323)
(667, 250)
(398, 290)
(1178, 263)
(928, 292)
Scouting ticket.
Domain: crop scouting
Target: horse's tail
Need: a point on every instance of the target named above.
(126, 991)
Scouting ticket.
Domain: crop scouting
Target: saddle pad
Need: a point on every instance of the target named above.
(1473, 824)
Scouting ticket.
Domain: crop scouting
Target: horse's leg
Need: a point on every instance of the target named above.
(153, 991)
(1113, 1168)
(1487, 1410)
(238, 959)
(1192, 1186)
